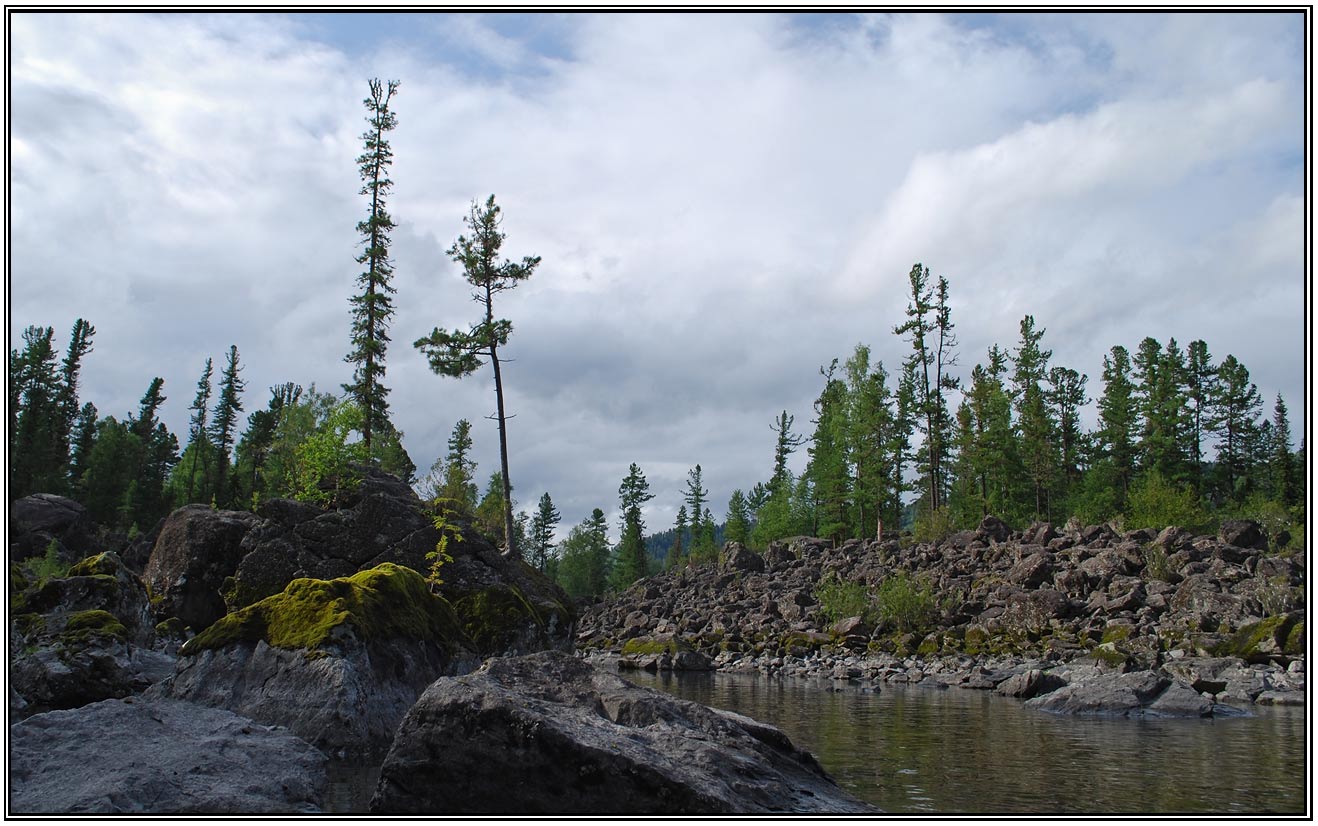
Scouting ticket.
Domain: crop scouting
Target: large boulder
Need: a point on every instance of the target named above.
(551, 734)
(506, 605)
(198, 547)
(82, 638)
(339, 662)
(1133, 694)
(37, 520)
(1243, 533)
(737, 557)
(161, 757)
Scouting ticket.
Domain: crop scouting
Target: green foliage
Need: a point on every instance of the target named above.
(840, 599)
(933, 523)
(737, 526)
(1156, 565)
(583, 568)
(1157, 503)
(46, 566)
(906, 603)
(322, 464)
(542, 532)
(440, 556)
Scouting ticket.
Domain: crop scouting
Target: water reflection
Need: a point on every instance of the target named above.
(916, 749)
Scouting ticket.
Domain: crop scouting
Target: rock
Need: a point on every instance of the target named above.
(666, 653)
(339, 662)
(197, 549)
(82, 638)
(549, 733)
(161, 757)
(1030, 684)
(1280, 698)
(37, 519)
(1032, 571)
(737, 557)
(993, 529)
(777, 555)
(1243, 533)
(1134, 694)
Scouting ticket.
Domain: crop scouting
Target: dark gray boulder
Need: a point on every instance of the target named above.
(737, 557)
(1030, 683)
(1133, 694)
(1243, 533)
(197, 548)
(551, 734)
(36, 520)
(160, 757)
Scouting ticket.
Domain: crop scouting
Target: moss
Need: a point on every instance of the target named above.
(379, 603)
(1294, 640)
(1116, 633)
(641, 646)
(1107, 654)
(172, 627)
(490, 617)
(101, 564)
(84, 623)
(29, 623)
(1246, 642)
(928, 646)
(237, 595)
(976, 640)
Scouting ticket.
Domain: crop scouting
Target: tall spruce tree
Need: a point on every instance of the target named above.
(1035, 427)
(737, 526)
(674, 558)
(1284, 482)
(35, 453)
(223, 426)
(80, 344)
(928, 327)
(1118, 419)
(1201, 379)
(542, 532)
(828, 471)
(373, 307)
(457, 353)
(1236, 406)
(199, 453)
(632, 558)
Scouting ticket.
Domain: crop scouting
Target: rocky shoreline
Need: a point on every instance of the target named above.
(1217, 620)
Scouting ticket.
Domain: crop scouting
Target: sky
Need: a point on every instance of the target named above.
(723, 204)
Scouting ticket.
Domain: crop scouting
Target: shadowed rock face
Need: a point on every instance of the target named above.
(37, 519)
(548, 733)
(159, 757)
(196, 549)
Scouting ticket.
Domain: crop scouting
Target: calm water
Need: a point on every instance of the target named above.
(915, 749)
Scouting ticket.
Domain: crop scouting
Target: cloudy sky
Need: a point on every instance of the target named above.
(722, 205)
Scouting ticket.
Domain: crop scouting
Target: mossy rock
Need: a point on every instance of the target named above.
(494, 618)
(80, 626)
(1294, 645)
(172, 627)
(1107, 654)
(641, 646)
(29, 623)
(388, 601)
(976, 640)
(1116, 633)
(99, 565)
(1259, 641)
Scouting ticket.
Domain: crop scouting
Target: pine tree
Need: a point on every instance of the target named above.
(674, 558)
(373, 307)
(827, 470)
(542, 532)
(1234, 419)
(786, 445)
(1118, 419)
(493, 505)
(632, 559)
(1283, 480)
(456, 353)
(737, 527)
(1201, 379)
(1038, 449)
(696, 495)
(223, 424)
(257, 442)
(459, 469)
(35, 440)
(200, 450)
(80, 344)
(1066, 394)
(929, 328)
(84, 439)
(869, 441)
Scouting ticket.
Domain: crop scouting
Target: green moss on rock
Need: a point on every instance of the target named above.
(172, 627)
(1258, 640)
(1294, 641)
(492, 616)
(388, 601)
(84, 623)
(101, 564)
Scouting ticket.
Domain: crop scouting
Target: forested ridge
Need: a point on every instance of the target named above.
(917, 443)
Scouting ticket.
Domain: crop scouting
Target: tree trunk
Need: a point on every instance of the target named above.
(510, 542)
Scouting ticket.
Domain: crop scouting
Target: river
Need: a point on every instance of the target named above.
(956, 751)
